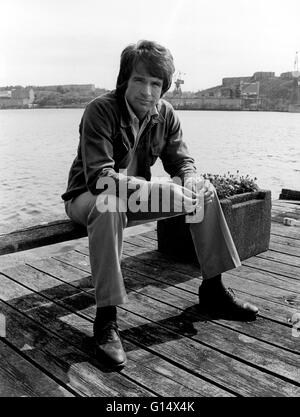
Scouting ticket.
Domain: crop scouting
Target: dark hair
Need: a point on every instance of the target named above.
(156, 58)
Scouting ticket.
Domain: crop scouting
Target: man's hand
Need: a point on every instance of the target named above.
(196, 183)
(208, 192)
(179, 199)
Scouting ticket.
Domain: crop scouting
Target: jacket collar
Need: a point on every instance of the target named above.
(126, 119)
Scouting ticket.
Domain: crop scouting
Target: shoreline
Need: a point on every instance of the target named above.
(175, 108)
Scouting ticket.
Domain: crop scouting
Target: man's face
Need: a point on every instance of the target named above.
(143, 91)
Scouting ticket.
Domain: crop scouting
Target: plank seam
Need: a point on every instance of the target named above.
(183, 289)
(244, 361)
(91, 320)
(211, 320)
(32, 362)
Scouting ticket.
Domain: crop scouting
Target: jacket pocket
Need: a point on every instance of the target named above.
(155, 151)
(121, 147)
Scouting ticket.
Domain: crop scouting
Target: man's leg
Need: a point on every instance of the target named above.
(105, 234)
(213, 243)
(217, 253)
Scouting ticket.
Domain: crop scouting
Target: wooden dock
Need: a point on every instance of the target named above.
(47, 311)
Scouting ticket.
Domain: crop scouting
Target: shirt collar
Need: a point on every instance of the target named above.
(153, 112)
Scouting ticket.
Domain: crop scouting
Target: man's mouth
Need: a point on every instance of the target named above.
(143, 101)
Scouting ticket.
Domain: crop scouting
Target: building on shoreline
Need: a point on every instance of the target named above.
(65, 95)
(16, 97)
(262, 91)
(65, 88)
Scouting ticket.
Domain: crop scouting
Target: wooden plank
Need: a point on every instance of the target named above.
(40, 235)
(155, 376)
(38, 281)
(166, 299)
(285, 203)
(226, 340)
(268, 265)
(283, 207)
(285, 241)
(289, 194)
(281, 272)
(287, 259)
(268, 307)
(289, 270)
(271, 305)
(283, 248)
(286, 245)
(255, 261)
(292, 211)
(164, 369)
(157, 367)
(152, 234)
(291, 232)
(191, 355)
(20, 378)
(261, 329)
(204, 360)
(65, 362)
(278, 243)
(146, 313)
(245, 272)
(64, 230)
(278, 216)
(173, 282)
(267, 278)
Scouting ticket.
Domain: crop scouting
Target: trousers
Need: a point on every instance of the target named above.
(212, 239)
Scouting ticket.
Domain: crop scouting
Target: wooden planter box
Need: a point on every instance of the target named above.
(249, 219)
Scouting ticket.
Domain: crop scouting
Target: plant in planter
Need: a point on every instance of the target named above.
(247, 210)
(228, 184)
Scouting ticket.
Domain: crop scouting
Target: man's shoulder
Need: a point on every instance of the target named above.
(105, 104)
(165, 105)
(165, 108)
(108, 98)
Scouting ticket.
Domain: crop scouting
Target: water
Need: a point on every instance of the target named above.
(38, 146)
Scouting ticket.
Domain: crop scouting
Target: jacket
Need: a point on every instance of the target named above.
(106, 144)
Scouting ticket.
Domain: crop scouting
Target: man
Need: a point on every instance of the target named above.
(122, 133)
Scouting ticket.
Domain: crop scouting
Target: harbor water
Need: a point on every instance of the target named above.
(37, 148)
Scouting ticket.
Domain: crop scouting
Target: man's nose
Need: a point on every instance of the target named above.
(146, 90)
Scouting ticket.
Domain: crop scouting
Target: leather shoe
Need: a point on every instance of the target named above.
(219, 301)
(108, 345)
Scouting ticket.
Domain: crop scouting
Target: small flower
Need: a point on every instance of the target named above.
(229, 184)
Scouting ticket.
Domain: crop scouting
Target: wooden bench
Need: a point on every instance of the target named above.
(45, 234)
(47, 308)
(250, 237)
(40, 235)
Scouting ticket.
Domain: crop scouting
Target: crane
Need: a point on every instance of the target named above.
(296, 65)
(178, 82)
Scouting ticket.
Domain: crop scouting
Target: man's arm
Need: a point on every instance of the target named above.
(175, 157)
(178, 162)
(97, 149)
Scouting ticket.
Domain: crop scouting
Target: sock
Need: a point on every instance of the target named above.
(213, 281)
(104, 314)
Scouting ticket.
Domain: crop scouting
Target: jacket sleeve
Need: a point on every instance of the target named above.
(175, 157)
(96, 145)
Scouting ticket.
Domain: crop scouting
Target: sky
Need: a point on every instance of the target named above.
(46, 42)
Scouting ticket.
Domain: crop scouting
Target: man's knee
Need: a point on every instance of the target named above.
(108, 209)
(109, 203)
